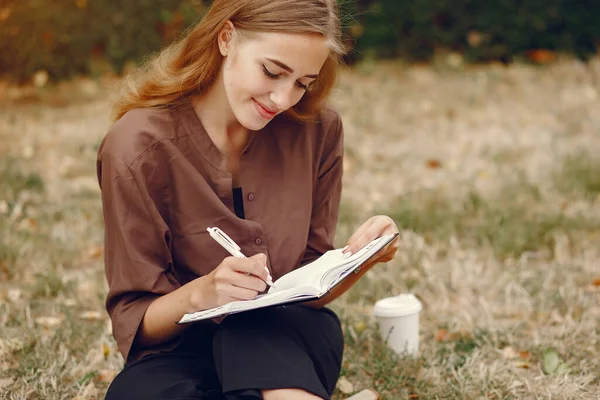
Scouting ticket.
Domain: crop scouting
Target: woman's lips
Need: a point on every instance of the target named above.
(263, 111)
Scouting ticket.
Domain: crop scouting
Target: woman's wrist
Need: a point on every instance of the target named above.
(196, 291)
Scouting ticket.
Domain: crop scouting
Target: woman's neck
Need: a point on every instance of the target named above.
(214, 111)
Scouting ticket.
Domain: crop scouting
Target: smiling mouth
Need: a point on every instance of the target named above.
(264, 111)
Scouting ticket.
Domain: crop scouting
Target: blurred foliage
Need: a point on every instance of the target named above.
(481, 30)
(68, 37)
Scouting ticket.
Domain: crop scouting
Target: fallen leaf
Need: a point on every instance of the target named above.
(105, 350)
(541, 56)
(550, 361)
(91, 315)
(475, 38)
(509, 353)
(95, 252)
(441, 335)
(48, 322)
(434, 164)
(5, 271)
(596, 281)
(524, 355)
(27, 225)
(521, 364)
(106, 375)
(344, 385)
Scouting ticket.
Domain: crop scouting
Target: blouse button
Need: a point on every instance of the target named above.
(251, 196)
(258, 241)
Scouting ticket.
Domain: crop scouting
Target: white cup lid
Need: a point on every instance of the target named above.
(397, 306)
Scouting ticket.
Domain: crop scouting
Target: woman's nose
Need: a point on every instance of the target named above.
(284, 97)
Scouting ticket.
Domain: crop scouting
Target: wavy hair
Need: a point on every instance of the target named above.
(190, 65)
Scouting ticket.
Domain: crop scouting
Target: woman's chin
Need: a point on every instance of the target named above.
(253, 123)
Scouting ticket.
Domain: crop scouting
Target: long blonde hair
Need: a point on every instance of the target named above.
(190, 65)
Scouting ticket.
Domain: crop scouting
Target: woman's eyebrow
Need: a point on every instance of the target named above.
(288, 69)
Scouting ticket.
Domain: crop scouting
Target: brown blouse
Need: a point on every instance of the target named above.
(164, 182)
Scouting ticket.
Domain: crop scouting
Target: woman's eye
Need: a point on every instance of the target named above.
(269, 73)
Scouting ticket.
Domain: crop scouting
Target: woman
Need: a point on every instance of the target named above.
(227, 128)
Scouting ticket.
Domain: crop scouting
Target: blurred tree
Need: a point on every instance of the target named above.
(64, 37)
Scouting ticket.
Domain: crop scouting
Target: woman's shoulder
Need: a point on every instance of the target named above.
(327, 126)
(138, 130)
(331, 119)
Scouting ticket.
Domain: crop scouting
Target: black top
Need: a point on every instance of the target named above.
(238, 202)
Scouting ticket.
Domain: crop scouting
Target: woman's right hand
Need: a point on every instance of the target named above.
(234, 279)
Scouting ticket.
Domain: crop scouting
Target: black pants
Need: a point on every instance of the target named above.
(289, 346)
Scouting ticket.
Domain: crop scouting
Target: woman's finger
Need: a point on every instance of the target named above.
(254, 265)
(359, 232)
(378, 226)
(248, 281)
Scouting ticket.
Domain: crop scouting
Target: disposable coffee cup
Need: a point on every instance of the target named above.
(398, 319)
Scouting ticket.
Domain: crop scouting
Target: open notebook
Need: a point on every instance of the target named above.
(310, 282)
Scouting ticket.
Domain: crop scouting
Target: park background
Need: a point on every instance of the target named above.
(474, 124)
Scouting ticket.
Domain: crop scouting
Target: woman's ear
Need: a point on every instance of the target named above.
(225, 38)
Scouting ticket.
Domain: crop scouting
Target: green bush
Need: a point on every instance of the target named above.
(66, 37)
(482, 30)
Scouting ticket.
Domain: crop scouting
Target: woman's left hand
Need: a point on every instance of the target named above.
(373, 228)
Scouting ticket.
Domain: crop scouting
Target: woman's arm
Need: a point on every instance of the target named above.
(158, 324)
(234, 279)
(144, 298)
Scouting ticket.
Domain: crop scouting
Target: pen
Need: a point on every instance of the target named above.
(228, 244)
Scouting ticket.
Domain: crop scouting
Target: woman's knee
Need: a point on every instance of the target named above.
(289, 394)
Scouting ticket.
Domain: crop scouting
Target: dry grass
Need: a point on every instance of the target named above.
(490, 172)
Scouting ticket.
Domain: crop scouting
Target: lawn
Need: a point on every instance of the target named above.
(491, 172)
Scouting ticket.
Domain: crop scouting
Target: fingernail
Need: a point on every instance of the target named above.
(344, 249)
(268, 273)
(348, 254)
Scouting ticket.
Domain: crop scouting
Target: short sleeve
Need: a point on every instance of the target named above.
(136, 247)
(327, 192)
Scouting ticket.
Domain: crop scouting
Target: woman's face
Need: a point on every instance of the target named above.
(269, 73)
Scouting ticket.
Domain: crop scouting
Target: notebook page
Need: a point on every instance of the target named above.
(337, 274)
(264, 300)
(269, 299)
(310, 274)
